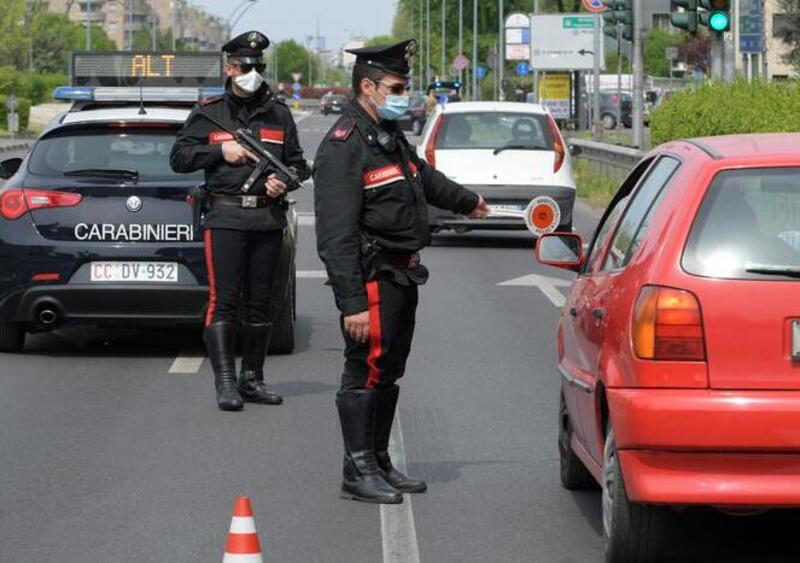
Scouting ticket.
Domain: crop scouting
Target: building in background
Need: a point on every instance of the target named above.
(121, 19)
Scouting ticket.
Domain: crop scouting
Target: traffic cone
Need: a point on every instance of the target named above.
(242, 545)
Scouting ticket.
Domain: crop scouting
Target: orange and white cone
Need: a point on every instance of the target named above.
(242, 545)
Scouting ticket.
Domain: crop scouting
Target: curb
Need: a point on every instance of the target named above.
(15, 147)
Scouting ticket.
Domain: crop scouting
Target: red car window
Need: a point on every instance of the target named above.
(632, 229)
(748, 227)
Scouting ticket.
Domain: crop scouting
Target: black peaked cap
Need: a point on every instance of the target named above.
(247, 47)
(394, 59)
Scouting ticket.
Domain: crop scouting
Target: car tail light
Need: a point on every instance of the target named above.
(558, 144)
(615, 99)
(430, 148)
(15, 202)
(668, 325)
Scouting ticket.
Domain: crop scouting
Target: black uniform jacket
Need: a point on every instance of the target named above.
(199, 146)
(371, 192)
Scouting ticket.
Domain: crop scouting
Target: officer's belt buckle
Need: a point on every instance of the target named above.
(249, 201)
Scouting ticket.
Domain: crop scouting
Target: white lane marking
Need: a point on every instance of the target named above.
(187, 364)
(306, 220)
(397, 520)
(546, 285)
(312, 274)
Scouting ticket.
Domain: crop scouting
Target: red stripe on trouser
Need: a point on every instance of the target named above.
(212, 281)
(375, 350)
(242, 544)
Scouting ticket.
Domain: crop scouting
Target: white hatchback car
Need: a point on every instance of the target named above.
(509, 152)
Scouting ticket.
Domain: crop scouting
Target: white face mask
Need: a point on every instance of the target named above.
(249, 82)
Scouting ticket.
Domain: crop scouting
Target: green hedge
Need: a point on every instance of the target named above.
(38, 88)
(23, 109)
(727, 109)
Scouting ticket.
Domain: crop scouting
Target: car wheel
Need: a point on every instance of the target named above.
(631, 531)
(574, 475)
(416, 127)
(609, 121)
(282, 341)
(12, 337)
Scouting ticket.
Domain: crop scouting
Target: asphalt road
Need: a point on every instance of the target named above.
(108, 454)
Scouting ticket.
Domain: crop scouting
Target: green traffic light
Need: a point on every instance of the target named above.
(719, 21)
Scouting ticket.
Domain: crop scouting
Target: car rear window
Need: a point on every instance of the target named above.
(145, 150)
(748, 226)
(492, 130)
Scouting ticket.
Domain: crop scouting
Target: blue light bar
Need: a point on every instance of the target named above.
(74, 93)
(212, 92)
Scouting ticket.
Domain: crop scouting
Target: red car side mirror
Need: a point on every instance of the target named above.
(560, 250)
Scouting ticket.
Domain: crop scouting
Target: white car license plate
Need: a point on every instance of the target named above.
(134, 272)
(516, 207)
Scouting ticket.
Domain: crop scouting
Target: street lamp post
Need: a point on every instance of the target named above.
(444, 40)
(461, 35)
(474, 50)
(244, 6)
(501, 54)
(427, 39)
(88, 25)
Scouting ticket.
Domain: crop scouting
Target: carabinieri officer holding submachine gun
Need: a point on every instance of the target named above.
(243, 232)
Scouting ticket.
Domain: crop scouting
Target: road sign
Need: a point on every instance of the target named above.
(523, 69)
(491, 60)
(297, 86)
(751, 26)
(480, 72)
(461, 62)
(13, 122)
(555, 92)
(594, 5)
(12, 103)
(296, 76)
(518, 52)
(558, 39)
(672, 53)
(518, 37)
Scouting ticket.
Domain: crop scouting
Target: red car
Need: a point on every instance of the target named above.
(679, 344)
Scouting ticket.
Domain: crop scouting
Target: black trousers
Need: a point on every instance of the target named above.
(241, 261)
(381, 361)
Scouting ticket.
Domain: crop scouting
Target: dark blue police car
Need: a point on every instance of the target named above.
(96, 228)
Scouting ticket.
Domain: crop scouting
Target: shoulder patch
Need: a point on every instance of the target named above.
(211, 100)
(343, 130)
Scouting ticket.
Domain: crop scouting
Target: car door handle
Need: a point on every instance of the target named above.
(599, 313)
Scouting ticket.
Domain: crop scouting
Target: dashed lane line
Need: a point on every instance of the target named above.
(312, 274)
(397, 520)
(186, 364)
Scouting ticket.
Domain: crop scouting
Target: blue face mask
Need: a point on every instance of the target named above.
(394, 108)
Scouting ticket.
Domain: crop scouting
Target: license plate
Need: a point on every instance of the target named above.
(514, 207)
(166, 272)
(796, 340)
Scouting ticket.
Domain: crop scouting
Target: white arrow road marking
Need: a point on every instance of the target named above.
(546, 284)
(305, 219)
(312, 274)
(397, 520)
(186, 364)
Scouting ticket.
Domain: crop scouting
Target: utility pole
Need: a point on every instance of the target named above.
(638, 71)
(88, 25)
(421, 55)
(461, 36)
(501, 52)
(444, 40)
(153, 31)
(596, 126)
(173, 5)
(535, 71)
(427, 40)
(475, 50)
(620, 27)
(130, 25)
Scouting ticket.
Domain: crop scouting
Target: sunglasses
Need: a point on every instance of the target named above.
(397, 89)
(245, 68)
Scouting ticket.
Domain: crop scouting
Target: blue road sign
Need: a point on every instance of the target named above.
(480, 72)
(296, 96)
(751, 26)
(523, 69)
(296, 86)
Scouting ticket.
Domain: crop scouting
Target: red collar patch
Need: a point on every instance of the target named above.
(343, 131)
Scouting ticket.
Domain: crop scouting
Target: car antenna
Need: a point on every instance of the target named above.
(141, 101)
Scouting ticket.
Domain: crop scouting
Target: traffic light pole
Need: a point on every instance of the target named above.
(717, 56)
(638, 71)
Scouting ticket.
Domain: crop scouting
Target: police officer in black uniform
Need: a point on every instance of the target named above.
(371, 198)
(243, 235)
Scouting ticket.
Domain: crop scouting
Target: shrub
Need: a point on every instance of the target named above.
(728, 109)
(23, 109)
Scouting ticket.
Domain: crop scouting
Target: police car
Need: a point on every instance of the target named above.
(94, 225)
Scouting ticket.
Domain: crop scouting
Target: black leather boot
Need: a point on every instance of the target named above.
(220, 342)
(387, 404)
(362, 479)
(255, 340)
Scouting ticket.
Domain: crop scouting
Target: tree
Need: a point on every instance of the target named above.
(695, 51)
(13, 36)
(789, 31)
(293, 57)
(381, 40)
(655, 46)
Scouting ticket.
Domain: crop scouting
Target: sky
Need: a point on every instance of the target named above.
(339, 20)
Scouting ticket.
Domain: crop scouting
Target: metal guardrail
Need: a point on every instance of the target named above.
(623, 159)
(15, 146)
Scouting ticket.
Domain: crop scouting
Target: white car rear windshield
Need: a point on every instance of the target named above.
(143, 150)
(748, 226)
(494, 130)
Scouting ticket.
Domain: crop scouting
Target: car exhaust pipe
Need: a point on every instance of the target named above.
(48, 316)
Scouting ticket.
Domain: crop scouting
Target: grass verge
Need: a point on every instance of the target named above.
(596, 189)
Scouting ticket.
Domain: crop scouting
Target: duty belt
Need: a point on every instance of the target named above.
(406, 261)
(245, 201)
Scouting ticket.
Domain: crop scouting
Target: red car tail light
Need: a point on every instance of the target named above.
(558, 144)
(430, 148)
(668, 325)
(14, 202)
